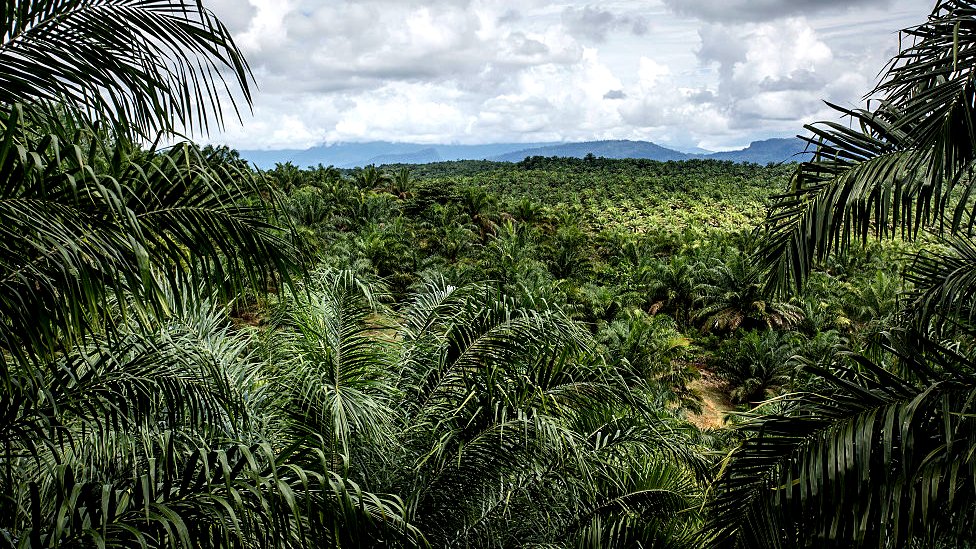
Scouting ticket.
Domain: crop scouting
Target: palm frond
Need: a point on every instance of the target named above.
(168, 491)
(899, 167)
(332, 374)
(642, 508)
(944, 285)
(144, 65)
(873, 459)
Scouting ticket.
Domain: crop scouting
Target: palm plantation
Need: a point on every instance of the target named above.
(195, 354)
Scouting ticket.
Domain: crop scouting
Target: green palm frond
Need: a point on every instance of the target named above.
(642, 507)
(82, 225)
(172, 378)
(480, 328)
(872, 459)
(332, 375)
(220, 496)
(144, 65)
(168, 491)
(945, 285)
(899, 167)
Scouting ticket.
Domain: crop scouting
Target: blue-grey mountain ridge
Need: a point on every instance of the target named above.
(352, 155)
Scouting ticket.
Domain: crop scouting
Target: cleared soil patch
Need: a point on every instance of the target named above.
(715, 401)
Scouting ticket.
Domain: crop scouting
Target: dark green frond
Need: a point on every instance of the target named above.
(83, 225)
(871, 460)
(144, 65)
(945, 285)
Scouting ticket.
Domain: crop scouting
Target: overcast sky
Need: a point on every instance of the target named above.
(715, 74)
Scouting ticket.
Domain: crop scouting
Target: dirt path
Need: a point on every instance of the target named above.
(715, 401)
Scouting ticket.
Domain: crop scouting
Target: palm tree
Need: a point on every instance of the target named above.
(371, 178)
(81, 232)
(509, 417)
(649, 350)
(473, 421)
(893, 170)
(401, 185)
(757, 364)
(124, 425)
(878, 452)
(732, 297)
(671, 286)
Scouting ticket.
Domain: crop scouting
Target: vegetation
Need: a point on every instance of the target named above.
(555, 353)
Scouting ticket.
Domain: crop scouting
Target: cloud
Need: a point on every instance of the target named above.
(327, 47)
(763, 10)
(477, 71)
(237, 15)
(769, 72)
(773, 76)
(594, 23)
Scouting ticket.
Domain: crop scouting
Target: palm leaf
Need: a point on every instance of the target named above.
(144, 65)
(872, 459)
(944, 285)
(898, 168)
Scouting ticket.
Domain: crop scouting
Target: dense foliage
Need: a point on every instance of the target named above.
(673, 314)
(554, 353)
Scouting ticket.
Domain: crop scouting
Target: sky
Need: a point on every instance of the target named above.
(710, 74)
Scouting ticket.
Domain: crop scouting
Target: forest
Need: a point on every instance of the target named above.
(553, 353)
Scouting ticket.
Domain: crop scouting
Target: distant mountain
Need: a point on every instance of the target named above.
(423, 156)
(605, 149)
(694, 150)
(790, 149)
(351, 155)
(760, 152)
(267, 159)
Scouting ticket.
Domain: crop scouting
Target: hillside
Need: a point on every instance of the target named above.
(351, 155)
(762, 152)
(604, 149)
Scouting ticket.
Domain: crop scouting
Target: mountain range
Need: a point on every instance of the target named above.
(351, 155)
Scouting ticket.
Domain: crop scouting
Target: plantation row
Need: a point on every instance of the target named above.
(688, 282)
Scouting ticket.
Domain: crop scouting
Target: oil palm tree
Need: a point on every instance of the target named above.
(474, 421)
(757, 364)
(670, 285)
(897, 169)
(732, 297)
(371, 178)
(401, 184)
(509, 417)
(83, 208)
(120, 427)
(878, 452)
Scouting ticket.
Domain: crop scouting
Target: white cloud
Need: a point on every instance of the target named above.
(772, 75)
(477, 71)
(595, 23)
